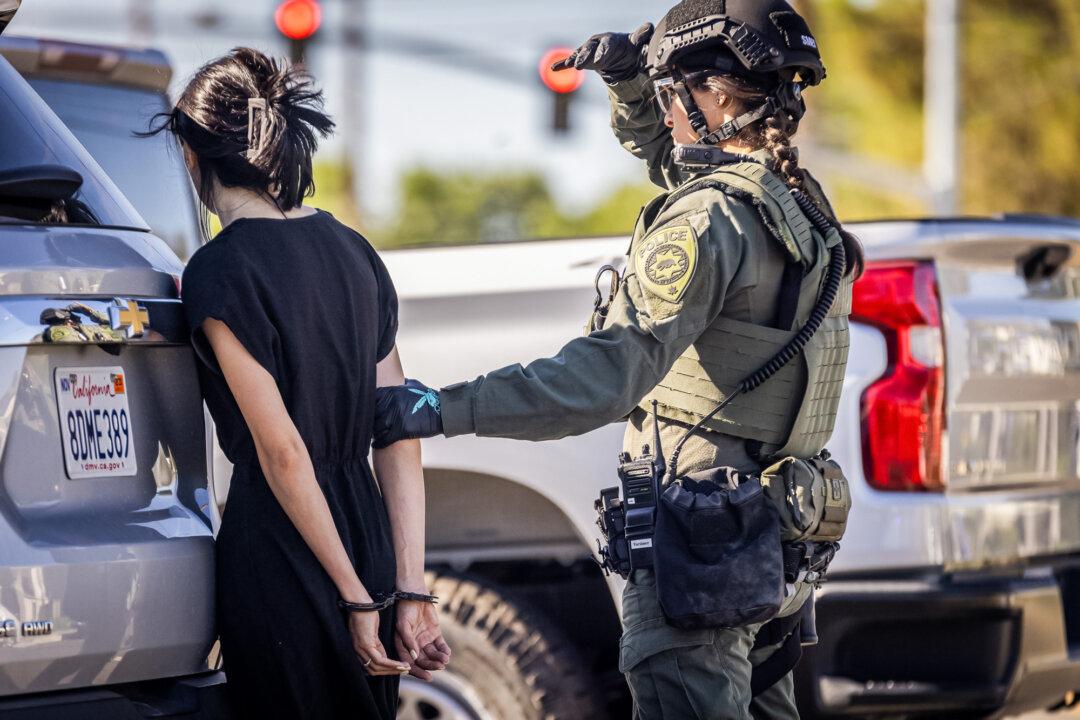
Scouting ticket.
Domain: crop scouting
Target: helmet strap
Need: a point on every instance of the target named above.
(733, 127)
(787, 97)
(693, 112)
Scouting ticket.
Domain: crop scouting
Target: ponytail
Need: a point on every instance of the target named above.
(776, 132)
(252, 122)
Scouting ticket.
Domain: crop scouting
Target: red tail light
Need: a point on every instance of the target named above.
(903, 411)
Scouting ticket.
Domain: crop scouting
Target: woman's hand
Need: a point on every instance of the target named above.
(418, 636)
(364, 628)
(406, 412)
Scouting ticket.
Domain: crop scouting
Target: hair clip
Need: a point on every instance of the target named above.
(254, 103)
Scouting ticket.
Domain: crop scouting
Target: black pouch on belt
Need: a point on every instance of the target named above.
(717, 553)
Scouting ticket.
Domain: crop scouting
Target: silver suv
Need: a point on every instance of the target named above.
(106, 547)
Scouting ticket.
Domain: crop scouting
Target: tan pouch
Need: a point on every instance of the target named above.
(812, 496)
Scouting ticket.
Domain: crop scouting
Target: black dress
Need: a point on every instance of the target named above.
(313, 304)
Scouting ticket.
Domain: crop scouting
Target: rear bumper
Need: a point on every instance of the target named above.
(942, 646)
(198, 697)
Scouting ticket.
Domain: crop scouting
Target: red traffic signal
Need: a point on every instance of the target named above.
(560, 81)
(298, 19)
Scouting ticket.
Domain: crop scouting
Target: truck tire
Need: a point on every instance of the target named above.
(509, 662)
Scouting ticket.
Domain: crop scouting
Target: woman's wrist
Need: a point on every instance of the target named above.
(412, 584)
(354, 593)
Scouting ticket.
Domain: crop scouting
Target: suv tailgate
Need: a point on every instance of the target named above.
(106, 549)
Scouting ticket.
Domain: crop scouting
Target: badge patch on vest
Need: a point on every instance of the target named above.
(665, 261)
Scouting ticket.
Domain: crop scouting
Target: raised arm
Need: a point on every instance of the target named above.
(286, 463)
(639, 125)
(635, 115)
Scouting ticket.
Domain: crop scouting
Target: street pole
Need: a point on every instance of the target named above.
(353, 53)
(941, 108)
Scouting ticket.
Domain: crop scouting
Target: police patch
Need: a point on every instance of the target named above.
(665, 261)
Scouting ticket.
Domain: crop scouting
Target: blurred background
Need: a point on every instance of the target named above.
(447, 134)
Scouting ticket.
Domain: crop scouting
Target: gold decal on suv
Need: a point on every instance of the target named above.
(129, 316)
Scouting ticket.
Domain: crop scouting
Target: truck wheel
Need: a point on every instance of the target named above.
(509, 662)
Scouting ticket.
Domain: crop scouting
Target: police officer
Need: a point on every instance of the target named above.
(723, 269)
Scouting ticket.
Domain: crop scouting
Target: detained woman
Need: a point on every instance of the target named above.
(321, 599)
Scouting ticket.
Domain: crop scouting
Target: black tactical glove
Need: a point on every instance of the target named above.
(406, 412)
(616, 56)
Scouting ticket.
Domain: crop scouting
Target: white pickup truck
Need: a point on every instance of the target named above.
(957, 590)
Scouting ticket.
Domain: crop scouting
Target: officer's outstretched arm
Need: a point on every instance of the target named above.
(676, 280)
(673, 289)
(592, 381)
(639, 125)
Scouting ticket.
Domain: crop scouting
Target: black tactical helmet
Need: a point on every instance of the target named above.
(747, 37)
(763, 40)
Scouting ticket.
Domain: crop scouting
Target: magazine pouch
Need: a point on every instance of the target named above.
(718, 560)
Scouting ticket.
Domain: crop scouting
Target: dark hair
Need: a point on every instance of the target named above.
(252, 122)
(774, 133)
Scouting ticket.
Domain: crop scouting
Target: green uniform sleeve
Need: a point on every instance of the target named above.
(598, 379)
(639, 126)
(592, 381)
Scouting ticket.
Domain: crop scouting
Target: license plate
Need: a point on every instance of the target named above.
(95, 422)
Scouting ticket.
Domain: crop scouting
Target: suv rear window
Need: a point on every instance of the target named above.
(33, 135)
(149, 171)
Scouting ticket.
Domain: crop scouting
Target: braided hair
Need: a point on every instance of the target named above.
(773, 133)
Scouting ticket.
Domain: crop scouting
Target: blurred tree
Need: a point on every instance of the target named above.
(616, 214)
(1021, 106)
(1020, 70)
(471, 207)
(858, 201)
(871, 103)
(333, 182)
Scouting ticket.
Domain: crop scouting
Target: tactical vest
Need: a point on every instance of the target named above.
(794, 412)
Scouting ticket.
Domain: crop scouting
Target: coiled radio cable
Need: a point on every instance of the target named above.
(837, 267)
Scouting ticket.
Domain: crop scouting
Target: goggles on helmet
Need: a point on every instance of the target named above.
(787, 97)
(665, 93)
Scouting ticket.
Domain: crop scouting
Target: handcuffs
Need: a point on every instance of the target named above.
(386, 601)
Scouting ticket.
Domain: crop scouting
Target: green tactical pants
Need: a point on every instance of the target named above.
(696, 674)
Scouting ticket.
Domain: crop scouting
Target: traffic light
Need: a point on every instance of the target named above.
(563, 84)
(298, 20)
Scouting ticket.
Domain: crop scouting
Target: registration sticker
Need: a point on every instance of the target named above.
(95, 421)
